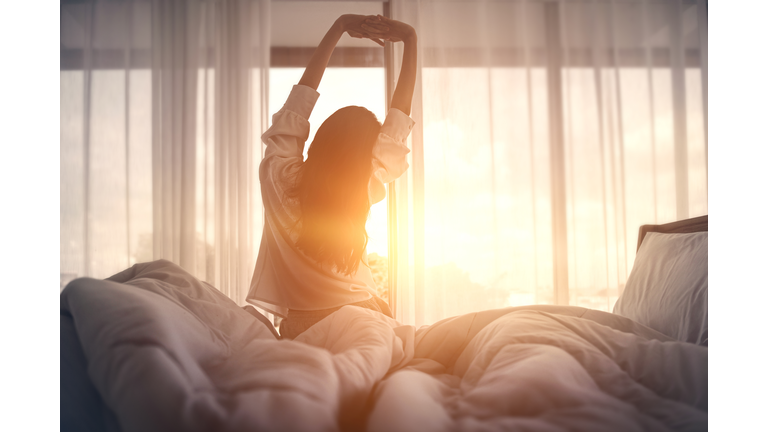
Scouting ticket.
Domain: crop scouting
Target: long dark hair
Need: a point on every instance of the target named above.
(332, 189)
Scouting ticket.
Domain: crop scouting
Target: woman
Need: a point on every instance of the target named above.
(314, 238)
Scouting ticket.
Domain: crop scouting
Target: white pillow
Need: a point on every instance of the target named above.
(667, 287)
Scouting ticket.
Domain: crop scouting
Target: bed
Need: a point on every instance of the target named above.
(155, 349)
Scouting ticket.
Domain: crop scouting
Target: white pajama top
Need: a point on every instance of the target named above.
(284, 277)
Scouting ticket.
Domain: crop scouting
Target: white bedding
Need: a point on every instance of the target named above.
(168, 352)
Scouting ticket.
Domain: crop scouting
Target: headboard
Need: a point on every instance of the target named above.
(696, 224)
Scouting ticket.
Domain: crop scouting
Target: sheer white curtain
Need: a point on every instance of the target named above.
(548, 132)
(162, 106)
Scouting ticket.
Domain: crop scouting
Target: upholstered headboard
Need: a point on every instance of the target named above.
(696, 224)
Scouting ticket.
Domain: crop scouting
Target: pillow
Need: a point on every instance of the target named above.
(667, 287)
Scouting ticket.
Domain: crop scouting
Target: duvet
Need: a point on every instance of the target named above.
(165, 351)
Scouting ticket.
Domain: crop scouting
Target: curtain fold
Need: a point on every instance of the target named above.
(240, 68)
(550, 132)
(175, 61)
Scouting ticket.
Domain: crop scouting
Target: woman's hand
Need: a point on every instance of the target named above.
(406, 83)
(363, 27)
(391, 30)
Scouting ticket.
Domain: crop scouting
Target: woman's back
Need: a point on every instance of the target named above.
(286, 277)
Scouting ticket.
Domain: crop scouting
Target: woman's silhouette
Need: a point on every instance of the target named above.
(314, 235)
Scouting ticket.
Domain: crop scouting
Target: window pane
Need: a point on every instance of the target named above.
(115, 162)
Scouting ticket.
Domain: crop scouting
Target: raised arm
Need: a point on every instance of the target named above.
(357, 26)
(402, 32)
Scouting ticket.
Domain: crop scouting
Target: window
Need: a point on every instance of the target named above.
(105, 138)
(551, 132)
(547, 132)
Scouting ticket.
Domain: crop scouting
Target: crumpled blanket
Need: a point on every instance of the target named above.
(166, 351)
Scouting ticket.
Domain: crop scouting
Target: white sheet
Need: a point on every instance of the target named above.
(167, 352)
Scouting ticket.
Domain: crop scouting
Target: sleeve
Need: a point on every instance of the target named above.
(290, 126)
(390, 153)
